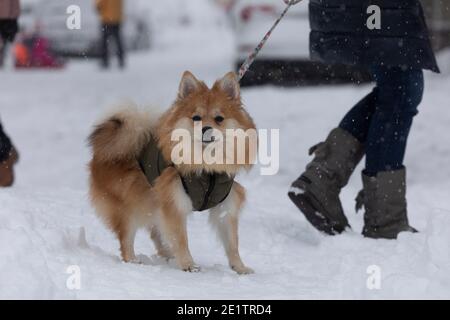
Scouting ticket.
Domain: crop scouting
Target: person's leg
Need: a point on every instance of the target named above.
(5, 145)
(119, 44)
(3, 40)
(357, 120)
(382, 119)
(2, 53)
(400, 93)
(2, 49)
(104, 45)
(8, 157)
(316, 191)
(384, 178)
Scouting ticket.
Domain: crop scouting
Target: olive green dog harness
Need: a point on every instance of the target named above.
(206, 190)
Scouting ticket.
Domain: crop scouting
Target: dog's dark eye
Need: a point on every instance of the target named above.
(197, 118)
(218, 119)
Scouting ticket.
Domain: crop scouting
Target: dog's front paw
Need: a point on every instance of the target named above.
(165, 254)
(192, 268)
(241, 269)
(134, 260)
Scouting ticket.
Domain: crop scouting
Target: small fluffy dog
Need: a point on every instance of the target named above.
(134, 183)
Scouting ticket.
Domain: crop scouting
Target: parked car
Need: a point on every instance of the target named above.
(285, 57)
(51, 16)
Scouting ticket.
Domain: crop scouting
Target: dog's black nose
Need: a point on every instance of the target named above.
(207, 135)
(205, 129)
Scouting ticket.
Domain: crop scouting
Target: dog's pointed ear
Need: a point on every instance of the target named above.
(230, 85)
(188, 85)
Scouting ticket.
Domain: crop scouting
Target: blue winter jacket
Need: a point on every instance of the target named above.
(339, 34)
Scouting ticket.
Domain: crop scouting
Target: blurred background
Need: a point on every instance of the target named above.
(240, 24)
(54, 86)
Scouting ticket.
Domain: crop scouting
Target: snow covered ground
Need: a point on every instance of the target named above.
(47, 223)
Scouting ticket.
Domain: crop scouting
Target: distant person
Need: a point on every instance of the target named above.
(9, 13)
(111, 15)
(34, 51)
(378, 126)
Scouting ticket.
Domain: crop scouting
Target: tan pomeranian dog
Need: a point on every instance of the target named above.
(134, 182)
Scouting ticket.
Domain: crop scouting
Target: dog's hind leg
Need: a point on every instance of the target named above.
(126, 232)
(225, 219)
(161, 248)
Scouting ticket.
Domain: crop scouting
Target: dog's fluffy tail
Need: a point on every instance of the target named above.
(122, 135)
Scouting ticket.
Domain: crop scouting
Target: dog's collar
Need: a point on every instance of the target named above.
(206, 190)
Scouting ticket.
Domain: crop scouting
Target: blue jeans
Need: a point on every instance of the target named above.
(383, 119)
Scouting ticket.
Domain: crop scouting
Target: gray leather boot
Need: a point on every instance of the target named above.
(384, 200)
(316, 191)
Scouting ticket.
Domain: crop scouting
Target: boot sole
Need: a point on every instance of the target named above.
(313, 214)
(387, 235)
